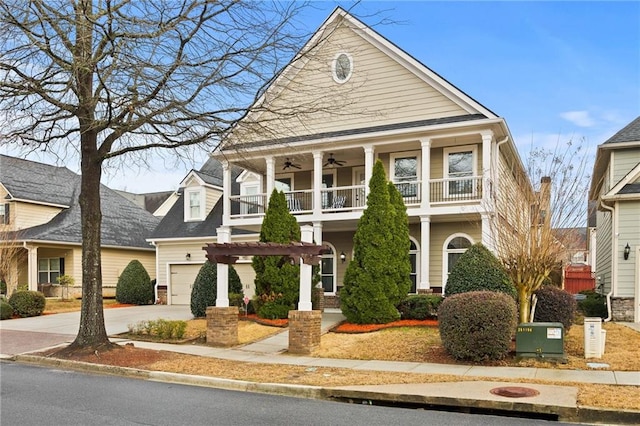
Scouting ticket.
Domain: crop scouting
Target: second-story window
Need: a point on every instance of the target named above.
(405, 173)
(459, 163)
(194, 204)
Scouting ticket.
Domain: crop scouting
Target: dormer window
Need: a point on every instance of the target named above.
(194, 204)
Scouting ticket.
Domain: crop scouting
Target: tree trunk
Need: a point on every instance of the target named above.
(524, 300)
(92, 333)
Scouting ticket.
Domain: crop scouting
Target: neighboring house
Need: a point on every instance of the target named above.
(156, 203)
(452, 158)
(188, 225)
(615, 185)
(40, 227)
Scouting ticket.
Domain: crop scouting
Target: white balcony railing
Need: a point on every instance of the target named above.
(353, 198)
(455, 190)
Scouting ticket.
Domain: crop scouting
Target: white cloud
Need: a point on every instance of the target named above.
(578, 118)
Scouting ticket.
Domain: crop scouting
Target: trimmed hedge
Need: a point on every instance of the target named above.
(555, 305)
(27, 303)
(478, 269)
(6, 311)
(205, 288)
(134, 285)
(420, 307)
(274, 310)
(478, 325)
(595, 305)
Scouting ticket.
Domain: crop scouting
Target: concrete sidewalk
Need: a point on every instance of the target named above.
(555, 402)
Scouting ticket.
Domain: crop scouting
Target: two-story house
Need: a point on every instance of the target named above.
(615, 186)
(351, 99)
(40, 229)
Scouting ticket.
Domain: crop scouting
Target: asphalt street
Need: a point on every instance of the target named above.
(32, 395)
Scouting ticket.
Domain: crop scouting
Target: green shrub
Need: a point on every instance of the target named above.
(134, 285)
(420, 307)
(27, 303)
(161, 328)
(478, 325)
(595, 305)
(205, 288)
(478, 269)
(555, 305)
(274, 310)
(6, 311)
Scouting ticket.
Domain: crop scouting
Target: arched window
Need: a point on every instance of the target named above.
(454, 246)
(328, 270)
(414, 258)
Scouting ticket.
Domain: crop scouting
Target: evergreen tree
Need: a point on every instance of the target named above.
(205, 288)
(370, 277)
(400, 264)
(277, 280)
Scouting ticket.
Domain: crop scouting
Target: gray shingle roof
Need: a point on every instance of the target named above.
(630, 133)
(43, 183)
(124, 224)
(365, 130)
(173, 224)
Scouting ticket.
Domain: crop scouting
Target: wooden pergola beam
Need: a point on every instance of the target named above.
(228, 253)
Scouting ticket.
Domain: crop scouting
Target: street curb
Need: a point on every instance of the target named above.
(567, 414)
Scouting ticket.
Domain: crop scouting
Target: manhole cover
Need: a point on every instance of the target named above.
(514, 391)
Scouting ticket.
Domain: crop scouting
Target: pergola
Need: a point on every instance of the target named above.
(222, 319)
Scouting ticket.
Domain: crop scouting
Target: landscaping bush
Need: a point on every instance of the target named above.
(27, 303)
(420, 307)
(205, 288)
(555, 305)
(6, 311)
(478, 325)
(478, 269)
(274, 310)
(161, 328)
(134, 285)
(595, 305)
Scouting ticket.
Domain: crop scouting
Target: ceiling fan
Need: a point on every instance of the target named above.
(333, 162)
(288, 164)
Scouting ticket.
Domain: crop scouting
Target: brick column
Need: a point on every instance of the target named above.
(222, 326)
(304, 331)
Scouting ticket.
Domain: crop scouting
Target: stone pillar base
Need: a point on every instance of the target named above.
(222, 326)
(622, 308)
(304, 331)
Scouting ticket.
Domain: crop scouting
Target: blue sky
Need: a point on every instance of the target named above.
(554, 70)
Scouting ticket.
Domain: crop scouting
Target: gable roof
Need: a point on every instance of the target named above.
(629, 133)
(627, 137)
(173, 225)
(467, 108)
(124, 224)
(40, 183)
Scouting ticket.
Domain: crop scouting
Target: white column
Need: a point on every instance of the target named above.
(32, 265)
(317, 183)
(305, 273)
(487, 232)
(226, 193)
(271, 176)
(317, 232)
(425, 172)
(425, 241)
(222, 291)
(487, 139)
(368, 167)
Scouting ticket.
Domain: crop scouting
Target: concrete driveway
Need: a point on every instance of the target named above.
(30, 334)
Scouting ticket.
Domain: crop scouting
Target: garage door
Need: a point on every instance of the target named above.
(182, 278)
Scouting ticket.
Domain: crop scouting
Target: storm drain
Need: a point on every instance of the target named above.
(514, 392)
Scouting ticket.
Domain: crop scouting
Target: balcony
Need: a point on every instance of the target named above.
(353, 198)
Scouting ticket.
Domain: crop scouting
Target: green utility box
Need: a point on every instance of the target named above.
(540, 340)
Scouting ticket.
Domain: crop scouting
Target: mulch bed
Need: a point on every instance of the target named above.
(264, 321)
(347, 327)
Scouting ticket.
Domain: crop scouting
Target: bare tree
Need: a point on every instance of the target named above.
(11, 252)
(117, 77)
(526, 229)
